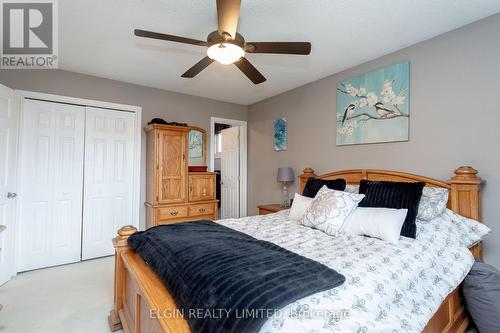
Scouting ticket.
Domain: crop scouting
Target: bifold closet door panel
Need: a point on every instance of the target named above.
(52, 150)
(109, 171)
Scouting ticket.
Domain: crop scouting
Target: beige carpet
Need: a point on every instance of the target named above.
(72, 298)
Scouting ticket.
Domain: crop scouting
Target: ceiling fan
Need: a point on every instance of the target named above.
(226, 46)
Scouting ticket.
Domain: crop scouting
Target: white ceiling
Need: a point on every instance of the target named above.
(96, 38)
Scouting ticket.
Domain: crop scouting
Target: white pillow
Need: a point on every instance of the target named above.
(452, 227)
(330, 209)
(299, 206)
(471, 231)
(432, 203)
(381, 223)
(442, 231)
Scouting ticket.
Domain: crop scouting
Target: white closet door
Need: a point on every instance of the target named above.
(109, 171)
(230, 173)
(51, 184)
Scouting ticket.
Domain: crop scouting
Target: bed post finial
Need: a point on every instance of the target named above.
(466, 199)
(120, 243)
(127, 230)
(306, 174)
(465, 188)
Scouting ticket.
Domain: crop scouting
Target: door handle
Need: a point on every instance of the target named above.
(11, 195)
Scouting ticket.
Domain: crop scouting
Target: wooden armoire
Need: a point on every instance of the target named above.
(172, 193)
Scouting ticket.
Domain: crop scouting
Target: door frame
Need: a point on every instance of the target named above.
(137, 110)
(16, 105)
(243, 156)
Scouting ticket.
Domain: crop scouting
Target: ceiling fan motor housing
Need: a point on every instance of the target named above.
(216, 38)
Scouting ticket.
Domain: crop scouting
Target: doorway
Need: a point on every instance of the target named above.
(228, 157)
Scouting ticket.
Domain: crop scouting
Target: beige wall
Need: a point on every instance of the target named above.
(455, 117)
(170, 106)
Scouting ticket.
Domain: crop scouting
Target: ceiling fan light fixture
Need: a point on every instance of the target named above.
(225, 53)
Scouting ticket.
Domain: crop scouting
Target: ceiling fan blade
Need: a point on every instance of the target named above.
(251, 72)
(302, 48)
(228, 13)
(171, 38)
(196, 69)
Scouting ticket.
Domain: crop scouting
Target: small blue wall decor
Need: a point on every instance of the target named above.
(374, 107)
(280, 134)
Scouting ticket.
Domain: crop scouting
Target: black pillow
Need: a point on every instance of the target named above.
(481, 289)
(313, 185)
(398, 195)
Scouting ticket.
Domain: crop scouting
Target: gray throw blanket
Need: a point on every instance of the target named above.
(223, 280)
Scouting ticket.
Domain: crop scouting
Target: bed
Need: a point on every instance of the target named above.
(139, 292)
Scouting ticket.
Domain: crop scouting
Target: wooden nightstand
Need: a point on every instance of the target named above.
(269, 209)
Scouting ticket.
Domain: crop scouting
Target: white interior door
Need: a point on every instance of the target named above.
(51, 184)
(109, 173)
(8, 150)
(230, 172)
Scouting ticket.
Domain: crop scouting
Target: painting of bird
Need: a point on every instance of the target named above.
(349, 111)
(382, 111)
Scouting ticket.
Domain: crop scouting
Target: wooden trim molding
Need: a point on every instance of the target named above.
(141, 298)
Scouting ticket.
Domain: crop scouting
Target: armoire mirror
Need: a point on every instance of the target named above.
(197, 139)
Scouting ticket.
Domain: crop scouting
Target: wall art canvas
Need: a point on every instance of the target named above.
(280, 134)
(195, 144)
(374, 107)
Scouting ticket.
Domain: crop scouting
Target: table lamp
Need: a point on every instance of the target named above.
(285, 175)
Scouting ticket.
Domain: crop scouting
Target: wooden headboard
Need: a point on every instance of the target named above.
(464, 186)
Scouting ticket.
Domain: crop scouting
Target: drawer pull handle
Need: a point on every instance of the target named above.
(202, 210)
(174, 213)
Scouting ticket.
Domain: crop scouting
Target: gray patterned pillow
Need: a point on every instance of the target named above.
(352, 188)
(433, 203)
(330, 209)
(471, 231)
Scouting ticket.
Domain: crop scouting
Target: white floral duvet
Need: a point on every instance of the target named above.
(388, 288)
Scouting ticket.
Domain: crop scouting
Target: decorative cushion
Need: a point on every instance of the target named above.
(381, 223)
(480, 229)
(471, 232)
(330, 209)
(482, 297)
(398, 195)
(313, 185)
(299, 206)
(433, 203)
(441, 230)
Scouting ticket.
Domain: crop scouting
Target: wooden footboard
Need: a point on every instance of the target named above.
(142, 303)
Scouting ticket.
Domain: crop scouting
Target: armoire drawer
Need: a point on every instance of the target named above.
(175, 212)
(202, 209)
